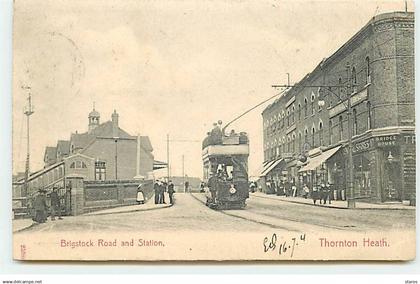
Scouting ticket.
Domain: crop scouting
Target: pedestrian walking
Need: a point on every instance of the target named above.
(305, 191)
(40, 206)
(315, 194)
(55, 204)
(330, 190)
(162, 192)
(140, 195)
(171, 192)
(187, 186)
(202, 185)
(324, 193)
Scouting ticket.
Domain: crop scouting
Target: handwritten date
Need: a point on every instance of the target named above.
(283, 246)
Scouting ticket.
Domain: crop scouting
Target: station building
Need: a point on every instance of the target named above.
(103, 153)
(306, 130)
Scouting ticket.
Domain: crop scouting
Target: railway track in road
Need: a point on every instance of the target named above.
(282, 223)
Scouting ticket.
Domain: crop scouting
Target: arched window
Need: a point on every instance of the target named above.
(299, 111)
(321, 133)
(293, 142)
(293, 114)
(305, 105)
(313, 136)
(367, 70)
(353, 78)
(288, 117)
(78, 165)
(369, 115)
(306, 134)
(299, 141)
(313, 103)
(341, 128)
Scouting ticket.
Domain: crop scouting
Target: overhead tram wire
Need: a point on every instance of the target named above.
(254, 107)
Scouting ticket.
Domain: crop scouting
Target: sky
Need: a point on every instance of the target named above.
(167, 67)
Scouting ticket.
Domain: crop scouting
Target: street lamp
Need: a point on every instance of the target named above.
(116, 157)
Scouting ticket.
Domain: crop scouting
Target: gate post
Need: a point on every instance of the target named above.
(77, 196)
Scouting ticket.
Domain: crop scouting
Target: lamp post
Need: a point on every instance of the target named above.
(116, 157)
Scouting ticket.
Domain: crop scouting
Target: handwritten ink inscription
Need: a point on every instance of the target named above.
(283, 246)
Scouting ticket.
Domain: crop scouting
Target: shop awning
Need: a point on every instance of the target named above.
(157, 165)
(270, 166)
(318, 160)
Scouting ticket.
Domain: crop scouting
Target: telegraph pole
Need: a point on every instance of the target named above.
(167, 157)
(183, 173)
(29, 110)
(350, 199)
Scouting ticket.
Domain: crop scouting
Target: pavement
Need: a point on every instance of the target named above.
(23, 224)
(339, 204)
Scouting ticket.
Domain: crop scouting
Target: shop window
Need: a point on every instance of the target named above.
(362, 176)
(100, 170)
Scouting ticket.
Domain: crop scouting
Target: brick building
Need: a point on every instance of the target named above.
(103, 153)
(311, 119)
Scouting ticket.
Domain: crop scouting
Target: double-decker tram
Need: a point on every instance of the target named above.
(225, 165)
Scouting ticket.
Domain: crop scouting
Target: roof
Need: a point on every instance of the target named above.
(94, 113)
(63, 147)
(105, 130)
(50, 152)
(80, 141)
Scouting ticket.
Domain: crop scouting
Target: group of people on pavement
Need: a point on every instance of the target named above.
(40, 207)
(323, 192)
(160, 187)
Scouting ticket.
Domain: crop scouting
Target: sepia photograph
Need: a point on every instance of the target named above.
(220, 130)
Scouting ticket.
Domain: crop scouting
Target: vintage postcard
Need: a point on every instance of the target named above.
(213, 130)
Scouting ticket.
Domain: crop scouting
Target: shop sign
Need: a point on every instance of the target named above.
(379, 142)
(385, 141)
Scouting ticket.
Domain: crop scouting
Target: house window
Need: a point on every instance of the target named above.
(100, 170)
(367, 70)
(369, 115)
(340, 121)
(78, 165)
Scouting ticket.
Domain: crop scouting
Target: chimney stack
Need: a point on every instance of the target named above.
(115, 123)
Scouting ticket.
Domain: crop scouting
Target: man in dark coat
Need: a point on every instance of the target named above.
(40, 206)
(162, 192)
(55, 204)
(171, 192)
(156, 188)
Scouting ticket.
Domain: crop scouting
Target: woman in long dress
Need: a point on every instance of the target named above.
(140, 195)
